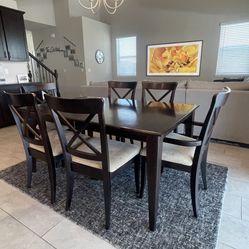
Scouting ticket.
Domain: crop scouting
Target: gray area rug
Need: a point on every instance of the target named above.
(177, 228)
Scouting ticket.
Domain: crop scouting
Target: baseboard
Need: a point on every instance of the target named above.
(221, 141)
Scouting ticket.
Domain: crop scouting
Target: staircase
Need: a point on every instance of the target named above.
(39, 72)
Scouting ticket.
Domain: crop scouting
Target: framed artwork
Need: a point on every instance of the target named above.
(174, 59)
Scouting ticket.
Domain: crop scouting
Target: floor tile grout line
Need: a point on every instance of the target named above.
(27, 227)
(228, 245)
(241, 213)
(53, 227)
(231, 216)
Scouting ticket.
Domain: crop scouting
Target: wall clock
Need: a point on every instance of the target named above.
(99, 56)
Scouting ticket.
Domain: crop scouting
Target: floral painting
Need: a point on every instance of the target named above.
(174, 59)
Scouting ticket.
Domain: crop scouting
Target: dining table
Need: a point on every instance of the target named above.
(149, 124)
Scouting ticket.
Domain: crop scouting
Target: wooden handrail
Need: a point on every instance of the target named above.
(42, 64)
(47, 71)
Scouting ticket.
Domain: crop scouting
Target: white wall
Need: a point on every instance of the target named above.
(162, 25)
(39, 11)
(97, 35)
(70, 77)
(9, 70)
(9, 3)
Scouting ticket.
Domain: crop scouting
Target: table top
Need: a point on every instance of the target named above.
(157, 118)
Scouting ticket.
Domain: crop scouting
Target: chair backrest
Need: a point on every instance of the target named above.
(218, 101)
(40, 89)
(168, 88)
(29, 121)
(64, 111)
(115, 86)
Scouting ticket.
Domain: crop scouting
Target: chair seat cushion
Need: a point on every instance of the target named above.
(119, 154)
(54, 141)
(176, 153)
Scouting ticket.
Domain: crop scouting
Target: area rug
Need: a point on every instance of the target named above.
(176, 229)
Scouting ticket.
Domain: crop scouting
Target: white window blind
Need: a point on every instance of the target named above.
(233, 56)
(126, 56)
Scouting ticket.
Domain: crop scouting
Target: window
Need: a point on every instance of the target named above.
(233, 55)
(126, 56)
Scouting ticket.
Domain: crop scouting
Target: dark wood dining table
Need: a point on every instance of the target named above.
(150, 124)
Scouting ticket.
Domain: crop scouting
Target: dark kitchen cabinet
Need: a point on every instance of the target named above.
(3, 48)
(13, 44)
(6, 117)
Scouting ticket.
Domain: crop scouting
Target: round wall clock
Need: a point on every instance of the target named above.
(99, 56)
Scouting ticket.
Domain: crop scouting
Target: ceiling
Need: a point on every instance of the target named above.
(207, 6)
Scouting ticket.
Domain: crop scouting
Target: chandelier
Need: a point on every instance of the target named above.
(111, 6)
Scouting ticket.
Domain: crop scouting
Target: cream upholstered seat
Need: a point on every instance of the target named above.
(119, 153)
(54, 141)
(176, 153)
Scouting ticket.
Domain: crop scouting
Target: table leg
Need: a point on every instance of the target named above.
(189, 128)
(154, 155)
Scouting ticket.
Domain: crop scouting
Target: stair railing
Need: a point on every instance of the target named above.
(39, 72)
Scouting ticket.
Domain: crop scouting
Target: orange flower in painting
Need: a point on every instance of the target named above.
(175, 59)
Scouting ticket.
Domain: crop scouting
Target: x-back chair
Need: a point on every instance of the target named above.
(99, 158)
(149, 88)
(122, 89)
(187, 154)
(38, 141)
(40, 90)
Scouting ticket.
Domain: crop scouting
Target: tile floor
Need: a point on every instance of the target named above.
(27, 224)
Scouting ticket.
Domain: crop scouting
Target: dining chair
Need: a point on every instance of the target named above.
(38, 141)
(40, 90)
(122, 89)
(151, 89)
(97, 157)
(188, 154)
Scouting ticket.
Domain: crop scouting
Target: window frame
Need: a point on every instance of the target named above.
(118, 57)
(219, 52)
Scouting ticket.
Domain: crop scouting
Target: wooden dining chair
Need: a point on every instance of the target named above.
(122, 89)
(150, 89)
(187, 154)
(96, 157)
(40, 90)
(38, 141)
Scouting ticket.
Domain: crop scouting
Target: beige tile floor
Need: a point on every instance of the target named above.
(25, 223)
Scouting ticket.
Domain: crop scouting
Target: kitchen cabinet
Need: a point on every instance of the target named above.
(13, 44)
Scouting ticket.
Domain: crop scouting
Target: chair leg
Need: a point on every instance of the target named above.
(137, 174)
(162, 169)
(194, 187)
(107, 198)
(143, 177)
(122, 139)
(29, 170)
(70, 184)
(34, 165)
(90, 133)
(52, 178)
(204, 170)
